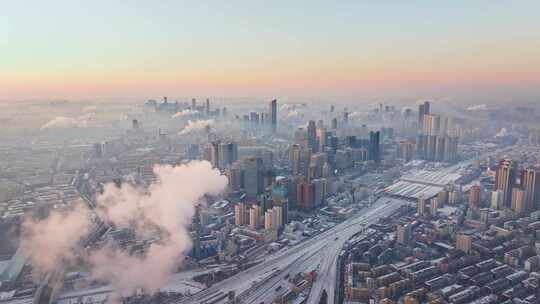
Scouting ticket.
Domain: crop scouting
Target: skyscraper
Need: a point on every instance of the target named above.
(423, 109)
(519, 199)
(505, 179)
(253, 178)
(197, 232)
(421, 205)
(240, 214)
(207, 106)
(404, 234)
(334, 123)
(431, 124)
(322, 136)
(254, 217)
(374, 146)
(464, 242)
(312, 135)
(530, 182)
(273, 114)
(474, 197)
(305, 195)
(420, 116)
(319, 192)
(497, 199)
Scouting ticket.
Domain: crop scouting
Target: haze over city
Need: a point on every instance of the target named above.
(271, 153)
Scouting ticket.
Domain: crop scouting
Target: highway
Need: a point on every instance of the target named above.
(259, 283)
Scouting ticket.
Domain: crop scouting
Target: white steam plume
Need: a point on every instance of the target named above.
(61, 122)
(292, 114)
(167, 207)
(478, 107)
(55, 239)
(185, 113)
(195, 126)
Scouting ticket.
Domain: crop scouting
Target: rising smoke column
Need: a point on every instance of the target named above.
(197, 125)
(53, 241)
(184, 113)
(61, 122)
(167, 205)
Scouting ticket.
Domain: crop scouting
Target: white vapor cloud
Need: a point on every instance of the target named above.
(293, 114)
(478, 107)
(168, 206)
(55, 239)
(185, 113)
(61, 122)
(195, 126)
(164, 211)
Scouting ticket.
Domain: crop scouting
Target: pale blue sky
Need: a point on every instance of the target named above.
(220, 46)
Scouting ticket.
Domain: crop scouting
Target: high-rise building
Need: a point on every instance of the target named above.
(254, 217)
(404, 234)
(423, 109)
(440, 143)
(374, 146)
(235, 175)
(430, 147)
(223, 154)
(519, 200)
(505, 179)
(454, 197)
(464, 242)
(240, 214)
(322, 137)
(196, 228)
(497, 199)
(431, 125)
(334, 123)
(193, 104)
(530, 182)
(406, 150)
(450, 149)
(207, 108)
(305, 196)
(282, 213)
(299, 159)
(434, 206)
(135, 124)
(312, 135)
(421, 205)
(98, 150)
(421, 145)
(253, 178)
(420, 116)
(270, 220)
(319, 192)
(474, 197)
(273, 114)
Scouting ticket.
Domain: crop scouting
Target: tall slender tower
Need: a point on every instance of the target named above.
(505, 179)
(197, 231)
(273, 114)
(530, 183)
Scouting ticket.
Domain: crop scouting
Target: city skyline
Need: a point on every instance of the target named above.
(485, 50)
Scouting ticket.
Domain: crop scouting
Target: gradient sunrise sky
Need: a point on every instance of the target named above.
(138, 49)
